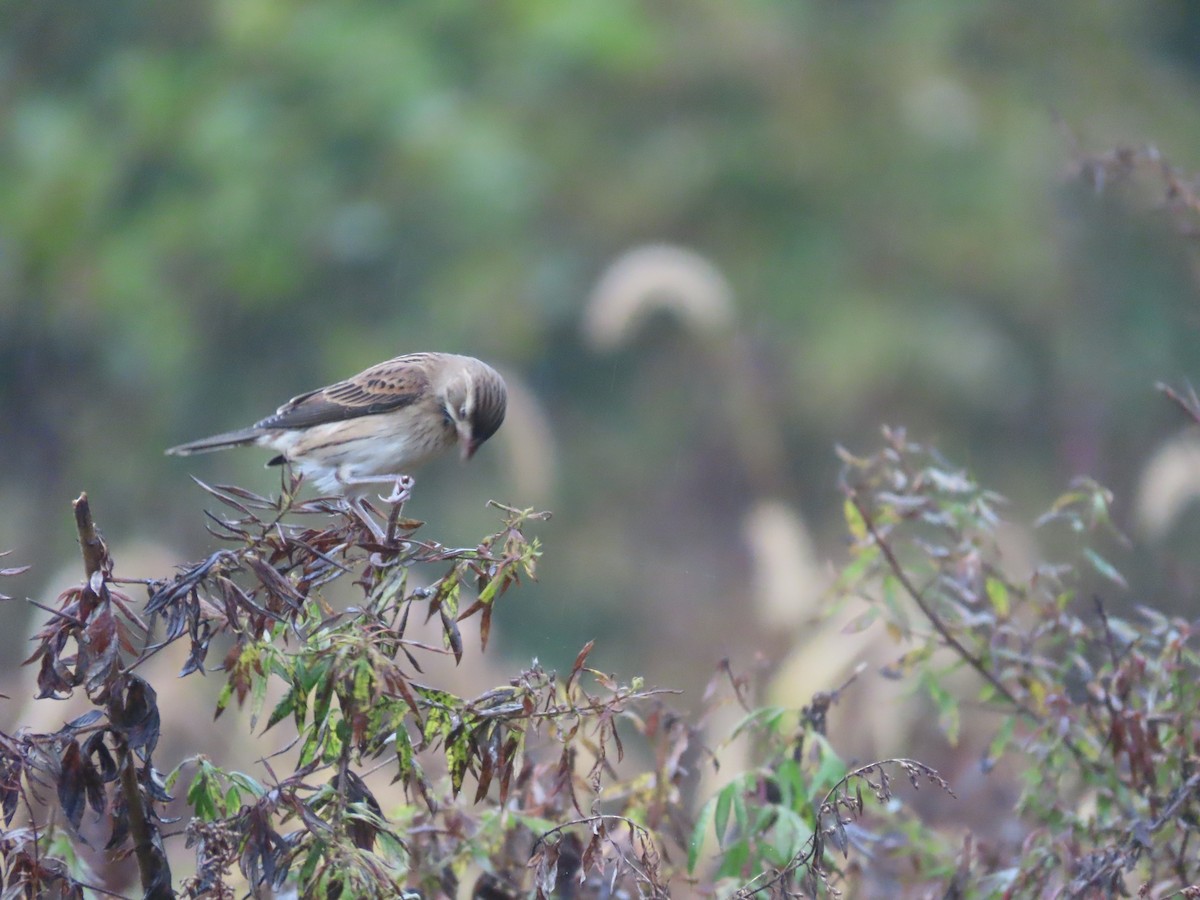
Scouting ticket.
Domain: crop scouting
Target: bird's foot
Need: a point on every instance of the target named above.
(402, 485)
(401, 490)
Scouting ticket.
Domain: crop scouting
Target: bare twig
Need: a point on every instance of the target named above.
(1190, 403)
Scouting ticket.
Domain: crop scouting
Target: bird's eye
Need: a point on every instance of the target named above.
(446, 417)
(462, 412)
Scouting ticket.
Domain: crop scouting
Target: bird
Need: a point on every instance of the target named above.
(378, 425)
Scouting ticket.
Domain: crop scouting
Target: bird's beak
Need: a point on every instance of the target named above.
(466, 442)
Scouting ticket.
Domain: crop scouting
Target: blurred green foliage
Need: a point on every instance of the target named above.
(206, 208)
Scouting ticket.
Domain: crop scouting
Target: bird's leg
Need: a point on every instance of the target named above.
(402, 485)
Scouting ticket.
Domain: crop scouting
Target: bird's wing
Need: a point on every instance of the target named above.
(382, 388)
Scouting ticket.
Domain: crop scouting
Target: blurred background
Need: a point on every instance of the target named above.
(706, 242)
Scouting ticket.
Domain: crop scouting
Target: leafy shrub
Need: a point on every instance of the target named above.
(527, 789)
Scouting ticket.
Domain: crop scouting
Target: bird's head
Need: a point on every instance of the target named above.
(474, 401)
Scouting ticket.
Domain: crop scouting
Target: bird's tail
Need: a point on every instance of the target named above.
(217, 442)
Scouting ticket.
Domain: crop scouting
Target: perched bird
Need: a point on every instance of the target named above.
(380, 424)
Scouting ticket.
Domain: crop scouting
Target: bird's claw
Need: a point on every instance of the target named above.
(400, 490)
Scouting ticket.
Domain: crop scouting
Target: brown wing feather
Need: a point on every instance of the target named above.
(382, 388)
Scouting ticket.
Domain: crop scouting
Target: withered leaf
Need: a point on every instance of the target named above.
(72, 796)
(196, 657)
(580, 659)
(506, 770)
(275, 583)
(85, 720)
(120, 823)
(485, 627)
(95, 748)
(133, 713)
(453, 636)
(10, 795)
(51, 680)
(489, 755)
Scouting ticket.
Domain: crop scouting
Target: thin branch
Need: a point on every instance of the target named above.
(588, 820)
(1189, 404)
(943, 629)
(808, 853)
(934, 619)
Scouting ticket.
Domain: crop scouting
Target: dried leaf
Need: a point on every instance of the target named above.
(453, 636)
(275, 583)
(72, 797)
(580, 659)
(133, 713)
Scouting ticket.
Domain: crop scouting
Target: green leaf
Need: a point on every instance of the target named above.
(536, 824)
(458, 752)
(829, 772)
(202, 793)
(790, 778)
(404, 751)
(312, 743)
(734, 860)
(854, 521)
(308, 676)
(1001, 741)
(739, 813)
(310, 865)
(283, 709)
(724, 805)
(247, 783)
(438, 725)
(448, 595)
(947, 707)
(696, 841)
(362, 681)
(1105, 568)
(997, 592)
(321, 704)
(766, 716)
(174, 774)
(257, 698)
(890, 593)
(335, 737)
(488, 594)
(223, 698)
(791, 834)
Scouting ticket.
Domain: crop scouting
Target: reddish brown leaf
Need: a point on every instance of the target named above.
(133, 713)
(509, 758)
(72, 795)
(485, 627)
(405, 690)
(471, 610)
(277, 585)
(580, 659)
